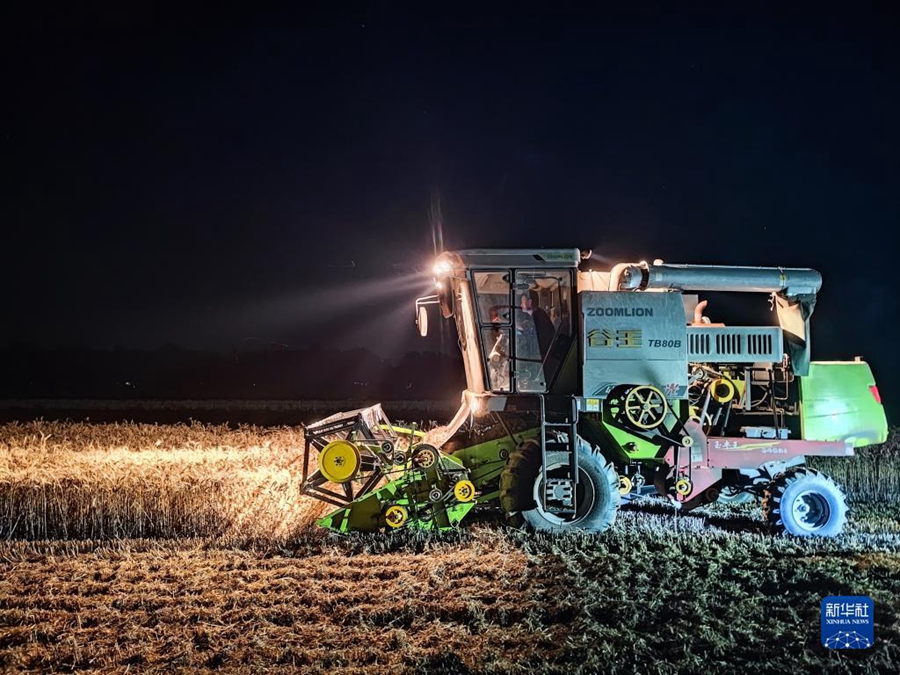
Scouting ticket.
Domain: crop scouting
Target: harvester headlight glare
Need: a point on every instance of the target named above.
(441, 268)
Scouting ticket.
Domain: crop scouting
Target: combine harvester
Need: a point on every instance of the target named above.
(585, 386)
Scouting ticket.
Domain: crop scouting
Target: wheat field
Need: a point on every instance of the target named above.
(61, 480)
(75, 480)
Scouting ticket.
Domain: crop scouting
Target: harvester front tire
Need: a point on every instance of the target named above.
(518, 487)
(805, 503)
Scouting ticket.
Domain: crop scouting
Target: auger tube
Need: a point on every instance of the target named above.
(787, 281)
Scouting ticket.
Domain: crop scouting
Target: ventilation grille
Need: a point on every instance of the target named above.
(734, 345)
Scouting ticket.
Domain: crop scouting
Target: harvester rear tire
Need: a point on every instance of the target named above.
(518, 487)
(805, 503)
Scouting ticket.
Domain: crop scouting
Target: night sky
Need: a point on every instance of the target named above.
(203, 177)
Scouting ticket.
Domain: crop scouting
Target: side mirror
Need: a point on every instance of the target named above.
(422, 320)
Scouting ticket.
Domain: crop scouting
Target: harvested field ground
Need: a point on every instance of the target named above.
(239, 590)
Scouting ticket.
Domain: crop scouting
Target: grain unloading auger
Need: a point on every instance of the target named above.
(586, 386)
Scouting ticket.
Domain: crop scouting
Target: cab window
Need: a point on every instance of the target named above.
(543, 326)
(493, 292)
(495, 316)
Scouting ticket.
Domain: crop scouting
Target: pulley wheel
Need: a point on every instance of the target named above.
(425, 456)
(339, 461)
(684, 486)
(722, 390)
(464, 491)
(645, 407)
(396, 516)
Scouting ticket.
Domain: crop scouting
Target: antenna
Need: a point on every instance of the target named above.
(436, 219)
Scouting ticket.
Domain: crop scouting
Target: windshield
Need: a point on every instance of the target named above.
(494, 316)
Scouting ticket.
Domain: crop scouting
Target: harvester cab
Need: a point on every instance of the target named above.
(584, 386)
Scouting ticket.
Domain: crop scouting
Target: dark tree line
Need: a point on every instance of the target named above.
(274, 373)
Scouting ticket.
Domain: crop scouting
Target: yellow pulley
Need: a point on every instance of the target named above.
(683, 486)
(464, 491)
(722, 390)
(396, 516)
(645, 407)
(339, 461)
(625, 485)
